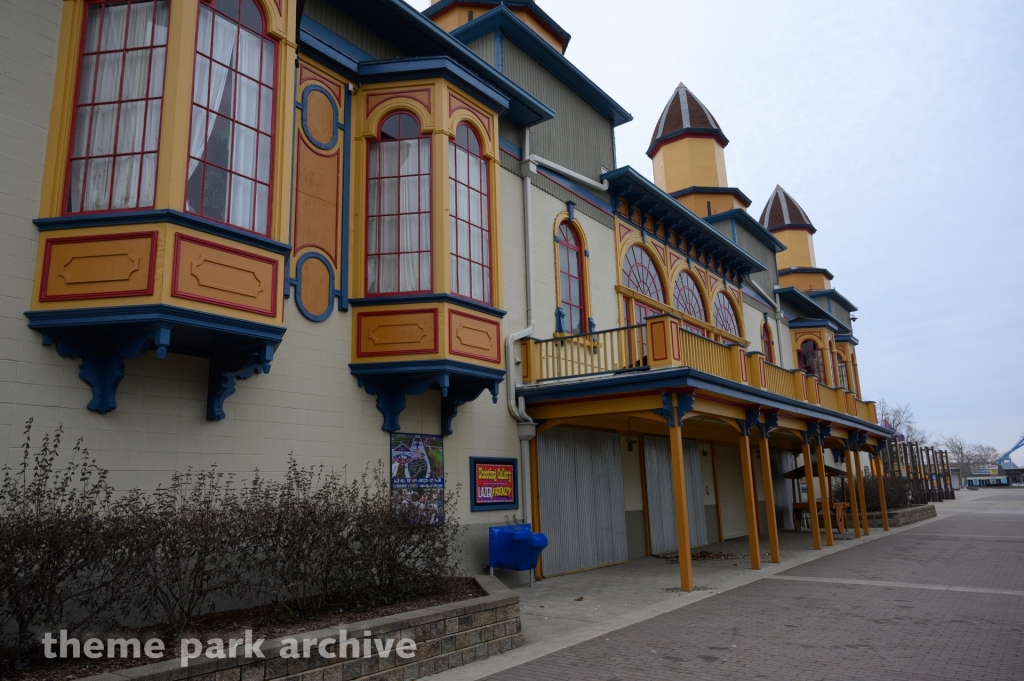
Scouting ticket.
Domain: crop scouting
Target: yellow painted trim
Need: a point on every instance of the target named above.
(588, 308)
(176, 124)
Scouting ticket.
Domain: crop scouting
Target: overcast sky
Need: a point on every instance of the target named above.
(898, 127)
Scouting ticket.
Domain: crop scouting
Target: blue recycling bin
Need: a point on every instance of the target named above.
(515, 547)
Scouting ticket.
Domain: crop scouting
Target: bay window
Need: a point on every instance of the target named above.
(398, 209)
(116, 126)
(230, 146)
(470, 217)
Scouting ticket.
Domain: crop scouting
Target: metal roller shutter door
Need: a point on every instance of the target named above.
(661, 497)
(730, 490)
(582, 506)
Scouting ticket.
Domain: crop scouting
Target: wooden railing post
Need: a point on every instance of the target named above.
(739, 365)
(756, 376)
(800, 384)
(531, 360)
(813, 391)
(663, 341)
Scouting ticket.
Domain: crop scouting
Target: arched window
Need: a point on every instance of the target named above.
(766, 344)
(687, 298)
(810, 359)
(398, 209)
(570, 279)
(230, 148)
(844, 380)
(725, 316)
(640, 274)
(470, 217)
(112, 164)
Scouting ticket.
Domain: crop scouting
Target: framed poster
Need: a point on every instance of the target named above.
(495, 484)
(417, 472)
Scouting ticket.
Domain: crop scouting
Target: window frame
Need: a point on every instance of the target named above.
(767, 343)
(735, 317)
(654, 271)
(579, 252)
(423, 135)
(235, 72)
(801, 354)
(119, 102)
(487, 277)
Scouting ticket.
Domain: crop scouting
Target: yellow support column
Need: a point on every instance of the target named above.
(812, 507)
(682, 515)
(826, 512)
(860, 491)
(851, 485)
(751, 502)
(769, 498)
(876, 463)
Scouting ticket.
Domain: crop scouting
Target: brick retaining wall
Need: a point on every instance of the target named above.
(446, 636)
(903, 516)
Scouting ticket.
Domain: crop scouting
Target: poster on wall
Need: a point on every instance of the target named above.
(417, 472)
(495, 484)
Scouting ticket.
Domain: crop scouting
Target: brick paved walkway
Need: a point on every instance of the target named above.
(799, 626)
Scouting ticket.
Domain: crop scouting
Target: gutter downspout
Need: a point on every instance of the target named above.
(533, 159)
(527, 427)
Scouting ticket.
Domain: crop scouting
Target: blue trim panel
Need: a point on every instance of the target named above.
(151, 314)
(685, 377)
(755, 228)
(712, 190)
(510, 149)
(345, 201)
(529, 5)
(297, 282)
(143, 217)
(836, 296)
(429, 67)
(576, 189)
(304, 108)
(428, 298)
(802, 302)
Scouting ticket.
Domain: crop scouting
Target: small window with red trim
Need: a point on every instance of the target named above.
(230, 147)
(570, 280)
(116, 127)
(767, 347)
(398, 209)
(470, 217)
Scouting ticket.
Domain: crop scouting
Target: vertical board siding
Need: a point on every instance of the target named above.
(510, 132)
(323, 13)
(661, 496)
(484, 48)
(582, 504)
(730, 487)
(766, 280)
(578, 137)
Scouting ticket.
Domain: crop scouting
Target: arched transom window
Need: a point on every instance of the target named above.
(230, 148)
(470, 217)
(725, 316)
(810, 359)
(398, 209)
(640, 274)
(686, 297)
(766, 344)
(570, 273)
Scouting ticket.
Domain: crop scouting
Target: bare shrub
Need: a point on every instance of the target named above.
(897, 493)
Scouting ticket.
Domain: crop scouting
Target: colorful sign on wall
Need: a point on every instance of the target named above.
(417, 472)
(495, 484)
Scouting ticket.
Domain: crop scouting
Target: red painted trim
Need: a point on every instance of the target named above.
(148, 291)
(333, 254)
(656, 357)
(388, 95)
(457, 103)
(177, 293)
(675, 138)
(451, 331)
(392, 313)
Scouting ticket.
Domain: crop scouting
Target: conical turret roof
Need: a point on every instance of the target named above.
(685, 114)
(783, 211)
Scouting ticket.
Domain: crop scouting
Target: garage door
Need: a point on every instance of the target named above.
(730, 492)
(582, 507)
(661, 496)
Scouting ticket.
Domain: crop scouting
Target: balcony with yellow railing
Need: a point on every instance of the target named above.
(660, 342)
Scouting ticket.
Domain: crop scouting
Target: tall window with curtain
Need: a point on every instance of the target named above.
(810, 360)
(230, 148)
(398, 209)
(766, 344)
(116, 127)
(570, 280)
(470, 217)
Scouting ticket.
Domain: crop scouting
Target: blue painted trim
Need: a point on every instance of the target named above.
(755, 228)
(684, 377)
(833, 294)
(332, 39)
(812, 324)
(804, 304)
(304, 107)
(576, 189)
(807, 270)
(510, 149)
(713, 190)
(345, 202)
(430, 67)
(529, 5)
(144, 217)
(44, 320)
(758, 297)
(499, 50)
(428, 298)
(330, 285)
(847, 338)
(473, 506)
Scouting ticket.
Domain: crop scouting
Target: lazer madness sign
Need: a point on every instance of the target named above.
(495, 484)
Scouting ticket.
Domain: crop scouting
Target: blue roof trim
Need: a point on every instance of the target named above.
(431, 67)
(149, 314)
(318, 34)
(577, 189)
(684, 377)
(626, 182)
(428, 298)
(802, 302)
(418, 37)
(512, 27)
(834, 295)
(529, 5)
(755, 228)
(807, 270)
(847, 338)
(145, 217)
(510, 149)
(712, 190)
(758, 297)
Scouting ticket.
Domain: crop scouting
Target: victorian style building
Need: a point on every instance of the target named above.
(240, 228)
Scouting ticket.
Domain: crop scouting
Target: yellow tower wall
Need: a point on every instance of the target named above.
(690, 162)
(799, 249)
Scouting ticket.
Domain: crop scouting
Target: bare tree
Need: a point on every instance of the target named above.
(900, 417)
(985, 454)
(961, 454)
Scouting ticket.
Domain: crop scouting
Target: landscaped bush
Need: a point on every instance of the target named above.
(897, 493)
(75, 555)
